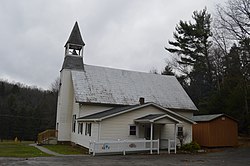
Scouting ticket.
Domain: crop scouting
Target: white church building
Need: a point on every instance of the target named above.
(99, 103)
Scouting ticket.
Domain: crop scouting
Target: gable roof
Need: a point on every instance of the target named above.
(154, 117)
(206, 118)
(121, 110)
(102, 85)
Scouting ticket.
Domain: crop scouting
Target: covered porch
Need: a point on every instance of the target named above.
(162, 127)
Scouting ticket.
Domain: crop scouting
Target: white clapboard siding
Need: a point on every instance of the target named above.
(82, 139)
(91, 109)
(188, 114)
(118, 127)
(64, 107)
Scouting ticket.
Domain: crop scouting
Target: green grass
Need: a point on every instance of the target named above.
(66, 149)
(13, 149)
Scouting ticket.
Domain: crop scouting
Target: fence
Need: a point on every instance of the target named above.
(123, 146)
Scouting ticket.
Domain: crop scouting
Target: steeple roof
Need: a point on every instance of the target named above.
(75, 36)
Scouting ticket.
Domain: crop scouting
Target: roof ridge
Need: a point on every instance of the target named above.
(127, 70)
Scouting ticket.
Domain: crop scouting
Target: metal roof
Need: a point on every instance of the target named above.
(107, 113)
(104, 85)
(75, 36)
(204, 118)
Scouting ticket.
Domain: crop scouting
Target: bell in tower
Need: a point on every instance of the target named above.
(74, 45)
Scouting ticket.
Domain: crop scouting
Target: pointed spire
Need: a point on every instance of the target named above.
(75, 37)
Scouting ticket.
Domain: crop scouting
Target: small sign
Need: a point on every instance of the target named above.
(105, 147)
(132, 145)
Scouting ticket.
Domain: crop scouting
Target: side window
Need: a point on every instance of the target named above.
(74, 123)
(180, 131)
(132, 130)
(80, 128)
(88, 129)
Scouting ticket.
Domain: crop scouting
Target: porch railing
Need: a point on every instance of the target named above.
(45, 136)
(123, 146)
(169, 144)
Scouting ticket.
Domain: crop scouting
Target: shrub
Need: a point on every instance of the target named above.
(191, 147)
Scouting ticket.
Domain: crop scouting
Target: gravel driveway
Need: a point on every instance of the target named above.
(231, 156)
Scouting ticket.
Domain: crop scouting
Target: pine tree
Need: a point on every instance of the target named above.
(191, 49)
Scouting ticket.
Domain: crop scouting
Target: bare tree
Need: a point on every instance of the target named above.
(182, 138)
(234, 19)
(233, 25)
(217, 60)
(55, 86)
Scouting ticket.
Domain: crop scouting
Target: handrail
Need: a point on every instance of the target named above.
(45, 135)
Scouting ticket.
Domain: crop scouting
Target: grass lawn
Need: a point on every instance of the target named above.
(13, 149)
(66, 149)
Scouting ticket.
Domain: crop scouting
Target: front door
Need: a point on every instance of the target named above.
(147, 132)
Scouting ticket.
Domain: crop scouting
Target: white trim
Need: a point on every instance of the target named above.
(88, 120)
(166, 115)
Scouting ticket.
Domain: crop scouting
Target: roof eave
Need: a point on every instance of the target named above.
(178, 115)
(88, 120)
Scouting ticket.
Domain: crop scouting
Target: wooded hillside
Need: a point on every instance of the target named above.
(25, 111)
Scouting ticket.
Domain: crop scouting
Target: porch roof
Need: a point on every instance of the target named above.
(155, 117)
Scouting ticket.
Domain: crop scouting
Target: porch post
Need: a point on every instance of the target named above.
(151, 137)
(175, 128)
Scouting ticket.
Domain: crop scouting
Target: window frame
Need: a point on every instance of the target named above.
(88, 128)
(180, 131)
(132, 132)
(80, 128)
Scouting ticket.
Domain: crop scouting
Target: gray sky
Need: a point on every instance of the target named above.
(124, 34)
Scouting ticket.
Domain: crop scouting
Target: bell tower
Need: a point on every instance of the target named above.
(74, 50)
(75, 44)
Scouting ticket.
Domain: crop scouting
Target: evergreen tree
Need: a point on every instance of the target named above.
(167, 70)
(2, 89)
(191, 49)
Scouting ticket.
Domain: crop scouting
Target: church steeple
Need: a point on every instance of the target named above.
(73, 59)
(75, 44)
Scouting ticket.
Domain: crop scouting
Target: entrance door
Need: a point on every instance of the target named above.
(147, 132)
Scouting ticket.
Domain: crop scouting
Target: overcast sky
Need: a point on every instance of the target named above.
(124, 34)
